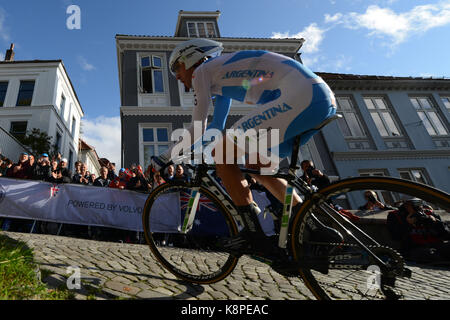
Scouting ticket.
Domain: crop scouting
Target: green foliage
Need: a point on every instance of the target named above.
(18, 274)
(37, 141)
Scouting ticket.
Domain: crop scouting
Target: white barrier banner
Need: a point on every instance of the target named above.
(96, 206)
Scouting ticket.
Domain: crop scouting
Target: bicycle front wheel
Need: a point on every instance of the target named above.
(347, 270)
(193, 252)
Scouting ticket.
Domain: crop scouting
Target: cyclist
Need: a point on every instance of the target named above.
(288, 97)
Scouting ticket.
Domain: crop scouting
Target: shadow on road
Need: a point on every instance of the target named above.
(191, 290)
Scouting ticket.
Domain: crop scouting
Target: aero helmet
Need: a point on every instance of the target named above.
(192, 51)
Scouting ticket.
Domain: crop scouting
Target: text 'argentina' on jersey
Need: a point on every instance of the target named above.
(264, 116)
(248, 74)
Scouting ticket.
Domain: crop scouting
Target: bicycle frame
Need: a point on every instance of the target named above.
(293, 182)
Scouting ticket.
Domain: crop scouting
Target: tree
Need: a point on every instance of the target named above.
(37, 141)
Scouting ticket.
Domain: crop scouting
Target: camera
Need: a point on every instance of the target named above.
(309, 171)
(371, 198)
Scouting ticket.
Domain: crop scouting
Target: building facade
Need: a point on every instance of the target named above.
(153, 102)
(39, 94)
(392, 126)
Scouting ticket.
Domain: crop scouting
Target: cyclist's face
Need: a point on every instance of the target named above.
(184, 75)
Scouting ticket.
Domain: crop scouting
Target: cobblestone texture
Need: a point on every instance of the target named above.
(116, 270)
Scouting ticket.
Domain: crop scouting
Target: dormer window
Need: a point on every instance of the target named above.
(201, 29)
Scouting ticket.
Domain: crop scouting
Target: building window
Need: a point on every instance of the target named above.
(201, 30)
(70, 159)
(25, 93)
(416, 175)
(74, 126)
(3, 89)
(383, 195)
(151, 74)
(58, 141)
(445, 101)
(350, 123)
(62, 105)
(155, 142)
(429, 116)
(18, 129)
(382, 116)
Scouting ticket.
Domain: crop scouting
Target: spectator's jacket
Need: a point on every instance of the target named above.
(22, 170)
(319, 182)
(100, 182)
(183, 178)
(131, 184)
(41, 172)
(76, 178)
(418, 235)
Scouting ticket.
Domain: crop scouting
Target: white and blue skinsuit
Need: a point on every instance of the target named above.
(286, 94)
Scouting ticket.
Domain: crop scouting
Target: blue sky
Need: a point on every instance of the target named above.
(381, 37)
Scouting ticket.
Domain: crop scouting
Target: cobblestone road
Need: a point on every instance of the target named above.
(114, 270)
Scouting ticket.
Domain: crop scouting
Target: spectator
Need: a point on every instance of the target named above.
(78, 167)
(422, 235)
(42, 169)
(180, 175)
(120, 182)
(66, 174)
(82, 177)
(5, 166)
(373, 203)
(157, 180)
(20, 170)
(313, 176)
(112, 171)
(103, 180)
(170, 173)
(138, 182)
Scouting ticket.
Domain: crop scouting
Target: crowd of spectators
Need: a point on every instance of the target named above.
(55, 170)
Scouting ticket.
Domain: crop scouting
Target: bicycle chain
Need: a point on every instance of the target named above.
(397, 255)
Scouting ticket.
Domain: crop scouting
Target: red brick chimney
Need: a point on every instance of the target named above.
(10, 53)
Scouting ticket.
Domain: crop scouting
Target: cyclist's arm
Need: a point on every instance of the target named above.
(221, 110)
(201, 84)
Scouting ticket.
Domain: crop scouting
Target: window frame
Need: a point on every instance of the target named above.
(32, 95)
(205, 24)
(409, 171)
(386, 198)
(142, 143)
(152, 67)
(379, 111)
(353, 110)
(433, 109)
(2, 103)
(446, 104)
(62, 106)
(14, 133)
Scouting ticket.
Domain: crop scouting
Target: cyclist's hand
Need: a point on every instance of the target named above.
(158, 163)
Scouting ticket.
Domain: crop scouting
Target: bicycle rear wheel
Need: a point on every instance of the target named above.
(347, 270)
(195, 255)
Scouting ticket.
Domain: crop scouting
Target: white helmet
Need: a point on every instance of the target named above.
(192, 51)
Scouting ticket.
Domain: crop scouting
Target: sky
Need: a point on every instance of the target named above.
(370, 37)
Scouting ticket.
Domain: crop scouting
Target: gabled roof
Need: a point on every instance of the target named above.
(87, 147)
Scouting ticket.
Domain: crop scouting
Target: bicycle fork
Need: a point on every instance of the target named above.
(190, 211)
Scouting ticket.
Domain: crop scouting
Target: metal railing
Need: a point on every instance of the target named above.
(10, 147)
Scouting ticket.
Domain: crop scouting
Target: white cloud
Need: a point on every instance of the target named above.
(104, 134)
(84, 64)
(4, 32)
(398, 27)
(312, 34)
